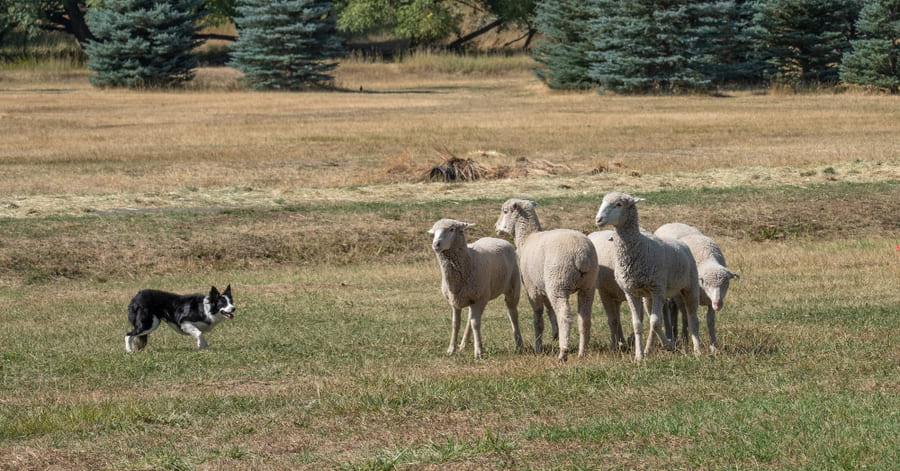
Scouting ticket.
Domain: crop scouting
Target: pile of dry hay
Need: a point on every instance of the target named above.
(453, 168)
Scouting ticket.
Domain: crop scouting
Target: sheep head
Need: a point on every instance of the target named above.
(714, 282)
(513, 211)
(617, 209)
(448, 233)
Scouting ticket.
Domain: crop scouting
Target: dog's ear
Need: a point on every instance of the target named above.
(227, 291)
(213, 292)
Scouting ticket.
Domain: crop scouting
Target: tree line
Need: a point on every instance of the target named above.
(672, 46)
(638, 46)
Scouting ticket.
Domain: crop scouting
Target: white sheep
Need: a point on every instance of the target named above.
(473, 274)
(649, 267)
(712, 271)
(554, 265)
(611, 295)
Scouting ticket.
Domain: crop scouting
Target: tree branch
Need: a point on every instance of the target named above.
(484, 29)
(222, 37)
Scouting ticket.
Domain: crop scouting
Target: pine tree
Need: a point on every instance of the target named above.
(875, 59)
(143, 43)
(285, 44)
(648, 45)
(725, 48)
(804, 39)
(563, 53)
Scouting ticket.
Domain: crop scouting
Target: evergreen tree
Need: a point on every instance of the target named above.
(648, 45)
(142, 43)
(563, 53)
(875, 59)
(285, 44)
(804, 39)
(725, 48)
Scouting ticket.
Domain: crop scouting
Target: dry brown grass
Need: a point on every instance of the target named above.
(70, 146)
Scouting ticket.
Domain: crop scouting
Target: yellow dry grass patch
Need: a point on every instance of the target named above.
(68, 147)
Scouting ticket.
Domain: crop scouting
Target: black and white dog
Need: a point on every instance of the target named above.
(188, 314)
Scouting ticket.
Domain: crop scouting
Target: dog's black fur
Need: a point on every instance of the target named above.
(189, 314)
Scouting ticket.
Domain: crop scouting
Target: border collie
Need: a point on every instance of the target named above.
(188, 314)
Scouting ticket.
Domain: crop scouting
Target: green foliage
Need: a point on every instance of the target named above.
(649, 45)
(563, 51)
(142, 43)
(285, 44)
(875, 58)
(804, 39)
(425, 22)
(422, 21)
(725, 48)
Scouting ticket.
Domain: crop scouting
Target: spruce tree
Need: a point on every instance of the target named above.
(648, 46)
(726, 51)
(875, 59)
(285, 44)
(804, 40)
(563, 53)
(143, 43)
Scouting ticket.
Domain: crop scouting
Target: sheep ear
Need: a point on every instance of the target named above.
(467, 225)
(735, 275)
(431, 231)
(635, 199)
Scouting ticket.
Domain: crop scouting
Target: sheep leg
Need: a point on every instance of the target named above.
(554, 324)
(585, 303)
(466, 330)
(475, 312)
(711, 325)
(677, 306)
(537, 306)
(512, 311)
(648, 344)
(656, 311)
(616, 338)
(637, 322)
(454, 329)
(564, 322)
(668, 312)
(691, 305)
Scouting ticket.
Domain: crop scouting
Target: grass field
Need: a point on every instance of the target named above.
(313, 207)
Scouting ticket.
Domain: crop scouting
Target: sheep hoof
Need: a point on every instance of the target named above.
(563, 356)
(451, 351)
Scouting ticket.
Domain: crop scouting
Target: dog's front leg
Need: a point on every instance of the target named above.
(193, 331)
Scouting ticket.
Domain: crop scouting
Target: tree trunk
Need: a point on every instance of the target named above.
(76, 24)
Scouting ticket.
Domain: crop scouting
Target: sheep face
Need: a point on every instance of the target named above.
(448, 233)
(615, 209)
(714, 284)
(512, 211)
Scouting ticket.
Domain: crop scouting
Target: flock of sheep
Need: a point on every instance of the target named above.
(677, 268)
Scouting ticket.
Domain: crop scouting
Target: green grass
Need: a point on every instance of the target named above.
(342, 365)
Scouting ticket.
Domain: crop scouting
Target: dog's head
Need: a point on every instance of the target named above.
(221, 303)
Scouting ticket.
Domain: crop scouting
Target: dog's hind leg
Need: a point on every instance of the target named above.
(133, 343)
(137, 338)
